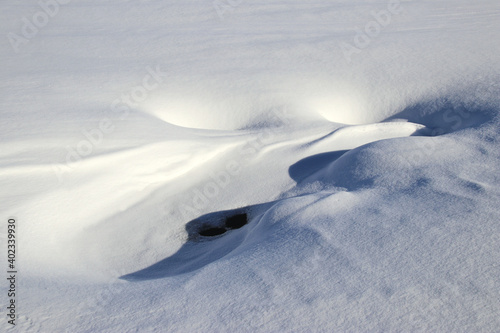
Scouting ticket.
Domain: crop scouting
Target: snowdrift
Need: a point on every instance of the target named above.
(255, 167)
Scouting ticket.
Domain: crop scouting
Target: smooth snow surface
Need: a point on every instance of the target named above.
(360, 138)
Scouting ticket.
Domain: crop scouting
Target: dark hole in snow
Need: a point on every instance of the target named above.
(212, 231)
(232, 222)
(236, 221)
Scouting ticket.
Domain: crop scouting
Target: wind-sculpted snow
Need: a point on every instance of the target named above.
(242, 166)
(371, 213)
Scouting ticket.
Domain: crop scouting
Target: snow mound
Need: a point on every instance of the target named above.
(231, 166)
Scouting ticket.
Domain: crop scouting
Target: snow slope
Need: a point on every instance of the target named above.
(367, 163)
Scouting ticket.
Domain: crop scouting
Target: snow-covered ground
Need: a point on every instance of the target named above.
(361, 139)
